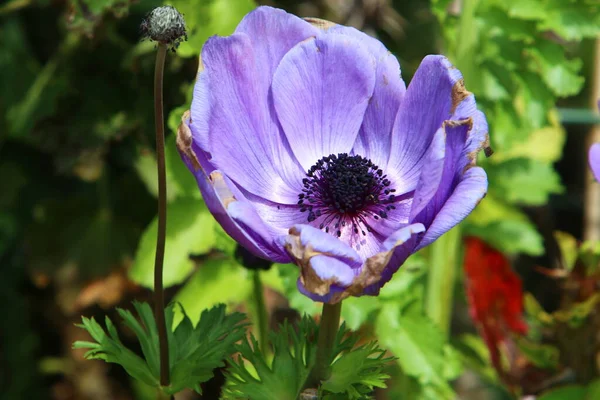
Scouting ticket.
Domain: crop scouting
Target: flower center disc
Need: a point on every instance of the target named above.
(344, 189)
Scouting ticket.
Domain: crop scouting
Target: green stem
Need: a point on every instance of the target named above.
(159, 296)
(467, 30)
(445, 258)
(261, 317)
(328, 329)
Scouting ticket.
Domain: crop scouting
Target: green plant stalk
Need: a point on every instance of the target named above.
(444, 260)
(159, 295)
(260, 315)
(328, 329)
(464, 55)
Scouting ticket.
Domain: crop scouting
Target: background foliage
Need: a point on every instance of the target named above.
(77, 198)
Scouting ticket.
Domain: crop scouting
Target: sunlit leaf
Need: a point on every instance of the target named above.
(205, 18)
(219, 280)
(190, 231)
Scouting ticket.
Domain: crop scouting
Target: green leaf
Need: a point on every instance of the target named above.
(571, 20)
(527, 9)
(510, 236)
(568, 248)
(559, 74)
(544, 144)
(111, 350)
(205, 18)
(524, 181)
(252, 377)
(475, 356)
(504, 227)
(418, 345)
(572, 392)
(180, 181)
(194, 352)
(589, 254)
(190, 230)
(198, 351)
(540, 355)
(215, 279)
(356, 310)
(357, 372)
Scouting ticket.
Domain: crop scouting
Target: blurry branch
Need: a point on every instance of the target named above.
(591, 221)
(14, 5)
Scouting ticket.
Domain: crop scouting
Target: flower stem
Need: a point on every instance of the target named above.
(159, 296)
(330, 323)
(261, 316)
(445, 258)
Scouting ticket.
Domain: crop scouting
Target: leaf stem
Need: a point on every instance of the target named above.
(328, 329)
(261, 316)
(159, 296)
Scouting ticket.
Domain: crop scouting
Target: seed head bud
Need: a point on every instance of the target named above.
(164, 25)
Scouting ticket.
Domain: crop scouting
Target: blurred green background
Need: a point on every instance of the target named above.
(78, 186)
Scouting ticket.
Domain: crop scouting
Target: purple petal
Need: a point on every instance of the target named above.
(374, 137)
(228, 205)
(431, 175)
(432, 97)
(313, 241)
(335, 292)
(273, 32)
(594, 160)
(321, 90)
(442, 171)
(469, 192)
(231, 119)
(397, 248)
(326, 263)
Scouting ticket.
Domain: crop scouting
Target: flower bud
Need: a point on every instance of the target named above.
(164, 25)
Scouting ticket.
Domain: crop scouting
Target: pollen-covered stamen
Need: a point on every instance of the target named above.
(346, 190)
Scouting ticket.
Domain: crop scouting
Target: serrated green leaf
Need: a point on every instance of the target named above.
(357, 372)
(193, 352)
(112, 351)
(197, 352)
(190, 230)
(283, 378)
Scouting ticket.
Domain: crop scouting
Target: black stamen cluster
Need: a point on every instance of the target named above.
(345, 189)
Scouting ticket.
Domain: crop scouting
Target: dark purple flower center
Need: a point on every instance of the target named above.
(346, 190)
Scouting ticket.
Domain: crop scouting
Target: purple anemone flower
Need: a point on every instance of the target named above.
(308, 148)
